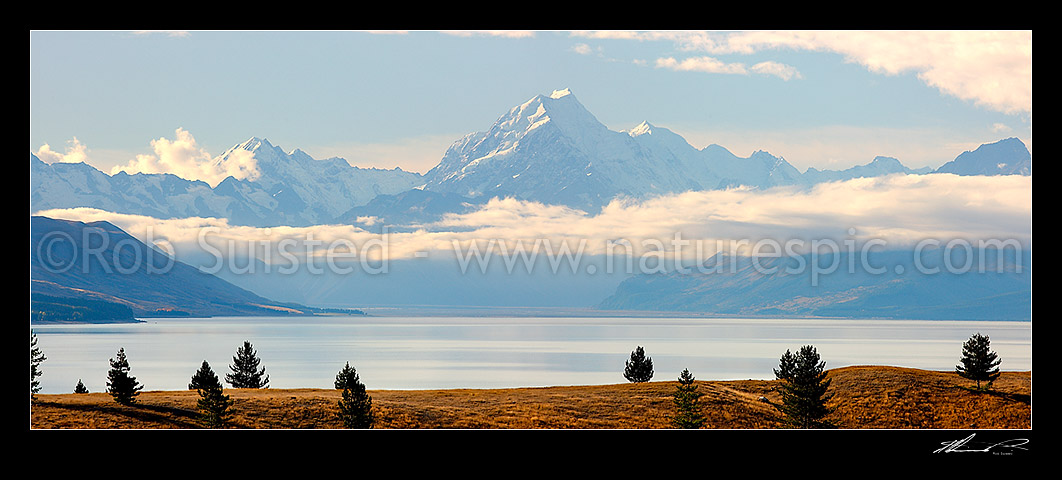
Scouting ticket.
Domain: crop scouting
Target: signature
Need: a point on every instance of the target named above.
(964, 445)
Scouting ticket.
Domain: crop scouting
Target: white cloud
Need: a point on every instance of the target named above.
(184, 158)
(903, 209)
(990, 68)
(168, 33)
(713, 65)
(681, 37)
(780, 70)
(702, 64)
(75, 152)
(899, 210)
(491, 33)
(583, 49)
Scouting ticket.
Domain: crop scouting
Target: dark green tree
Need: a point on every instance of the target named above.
(786, 366)
(80, 387)
(355, 408)
(686, 395)
(205, 376)
(979, 362)
(803, 388)
(245, 372)
(36, 357)
(639, 368)
(213, 403)
(122, 386)
(347, 376)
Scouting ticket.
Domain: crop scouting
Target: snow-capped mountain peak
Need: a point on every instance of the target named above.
(560, 93)
(238, 153)
(561, 108)
(251, 144)
(552, 149)
(542, 117)
(644, 128)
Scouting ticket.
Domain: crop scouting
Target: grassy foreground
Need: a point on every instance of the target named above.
(864, 397)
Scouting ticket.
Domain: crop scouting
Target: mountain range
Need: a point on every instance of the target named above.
(771, 286)
(290, 189)
(549, 149)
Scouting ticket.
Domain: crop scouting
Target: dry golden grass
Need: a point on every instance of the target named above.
(863, 398)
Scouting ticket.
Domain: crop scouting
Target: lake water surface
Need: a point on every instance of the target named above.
(396, 352)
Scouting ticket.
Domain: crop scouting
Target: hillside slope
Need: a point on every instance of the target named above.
(99, 261)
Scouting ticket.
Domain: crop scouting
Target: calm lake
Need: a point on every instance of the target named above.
(414, 352)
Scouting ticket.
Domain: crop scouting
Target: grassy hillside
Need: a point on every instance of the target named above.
(870, 397)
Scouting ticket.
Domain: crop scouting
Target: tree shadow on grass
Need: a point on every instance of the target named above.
(149, 414)
(1014, 397)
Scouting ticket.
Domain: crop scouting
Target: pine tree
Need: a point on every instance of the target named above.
(786, 366)
(80, 387)
(205, 376)
(213, 404)
(123, 387)
(804, 386)
(639, 368)
(355, 408)
(36, 357)
(346, 376)
(978, 361)
(686, 396)
(245, 372)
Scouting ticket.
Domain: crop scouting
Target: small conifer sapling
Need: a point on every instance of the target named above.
(213, 404)
(686, 395)
(355, 406)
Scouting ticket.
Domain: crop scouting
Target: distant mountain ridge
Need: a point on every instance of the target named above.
(878, 167)
(292, 189)
(548, 149)
(407, 211)
(785, 286)
(1005, 157)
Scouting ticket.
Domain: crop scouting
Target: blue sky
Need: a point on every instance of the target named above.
(829, 99)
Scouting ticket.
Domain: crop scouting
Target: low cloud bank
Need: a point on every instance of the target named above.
(894, 211)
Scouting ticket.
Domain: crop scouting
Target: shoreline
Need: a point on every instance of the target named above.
(528, 312)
